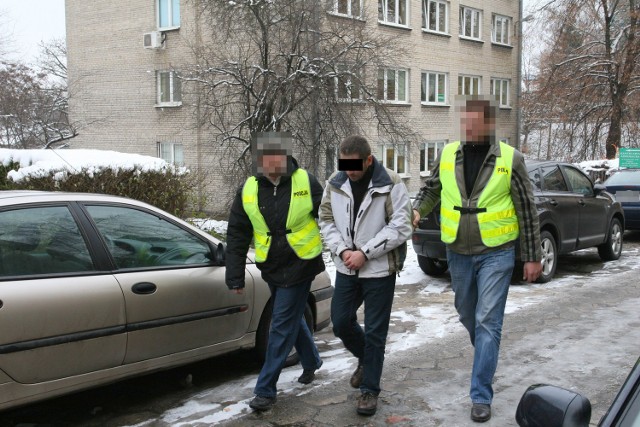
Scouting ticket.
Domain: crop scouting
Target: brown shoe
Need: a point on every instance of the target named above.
(367, 403)
(356, 378)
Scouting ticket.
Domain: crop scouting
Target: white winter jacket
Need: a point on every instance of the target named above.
(376, 232)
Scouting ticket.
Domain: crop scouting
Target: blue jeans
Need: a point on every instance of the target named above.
(288, 329)
(368, 345)
(481, 285)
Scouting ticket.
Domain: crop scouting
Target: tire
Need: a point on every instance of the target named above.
(262, 334)
(549, 257)
(432, 266)
(611, 249)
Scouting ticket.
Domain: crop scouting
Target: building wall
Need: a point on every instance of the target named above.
(112, 82)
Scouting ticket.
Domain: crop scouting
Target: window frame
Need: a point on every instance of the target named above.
(383, 12)
(173, 89)
(395, 147)
(502, 82)
(473, 77)
(424, 88)
(476, 19)
(172, 151)
(349, 3)
(345, 80)
(172, 7)
(385, 90)
(506, 25)
(426, 7)
(425, 162)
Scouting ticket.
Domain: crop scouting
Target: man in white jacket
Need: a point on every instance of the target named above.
(365, 218)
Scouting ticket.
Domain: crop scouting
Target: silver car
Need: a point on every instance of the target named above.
(96, 288)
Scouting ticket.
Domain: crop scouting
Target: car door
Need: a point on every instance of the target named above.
(59, 317)
(176, 299)
(562, 206)
(593, 221)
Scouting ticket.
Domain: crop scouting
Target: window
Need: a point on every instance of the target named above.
(435, 16)
(500, 89)
(500, 29)
(392, 85)
(470, 22)
(434, 88)
(138, 239)
(346, 85)
(352, 8)
(393, 11)
(394, 157)
(429, 153)
(552, 179)
(171, 152)
(169, 89)
(41, 240)
(168, 14)
(579, 182)
(468, 85)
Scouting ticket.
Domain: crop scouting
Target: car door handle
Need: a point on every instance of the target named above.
(553, 202)
(581, 202)
(144, 288)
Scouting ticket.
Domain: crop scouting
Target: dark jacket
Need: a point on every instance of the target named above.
(282, 267)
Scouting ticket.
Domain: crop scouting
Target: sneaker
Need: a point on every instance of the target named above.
(308, 375)
(356, 378)
(480, 412)
(261, 403)
(367, 403)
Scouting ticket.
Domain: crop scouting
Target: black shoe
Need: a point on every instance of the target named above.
(261, 403)
(367, 403)
(480, 412)
(356, 378)
(307, 377)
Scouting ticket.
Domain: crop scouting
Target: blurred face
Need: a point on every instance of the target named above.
(273, 165)
(474, 126)
(357, 173)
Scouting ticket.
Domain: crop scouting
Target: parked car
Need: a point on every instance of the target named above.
(625, 186)
(546, 405)
(574, 214)
(96, 288)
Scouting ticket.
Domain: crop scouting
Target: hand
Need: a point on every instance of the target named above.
(531, 271)
(353, 260)
(416, 218)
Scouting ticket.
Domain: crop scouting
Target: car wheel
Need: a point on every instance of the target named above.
(262, 335)
(549, 257)
(611, 249)
(432, 266)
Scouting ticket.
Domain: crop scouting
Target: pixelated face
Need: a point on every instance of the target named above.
(475, 126)
(271, 151)
(354, 166)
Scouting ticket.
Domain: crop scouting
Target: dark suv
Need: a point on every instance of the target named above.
(574, 214)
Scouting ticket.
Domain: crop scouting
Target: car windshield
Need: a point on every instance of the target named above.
(624, 177)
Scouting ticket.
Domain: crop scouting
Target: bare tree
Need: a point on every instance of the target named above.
(289, 66)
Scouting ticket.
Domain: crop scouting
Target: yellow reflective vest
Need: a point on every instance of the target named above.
(302, 229)
(495, 211)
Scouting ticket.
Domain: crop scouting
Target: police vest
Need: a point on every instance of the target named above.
(495, 211)
(302, 230)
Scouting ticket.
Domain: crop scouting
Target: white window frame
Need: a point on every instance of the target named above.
(504, 23)
(349, 6)
(173, 6)
(427, 6)
(426, 159)
(171, 152)
(466, 83)
(396, 149)
(475, 24)
(397, 72)
(175, 89)
(347, 81)
(425, 85)
(501, 89)
(397, 19)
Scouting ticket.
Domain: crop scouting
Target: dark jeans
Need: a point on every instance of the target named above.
(288, 328)
(368, 344)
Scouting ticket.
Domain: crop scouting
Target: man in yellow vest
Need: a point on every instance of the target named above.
(277, 208)
(487, 204)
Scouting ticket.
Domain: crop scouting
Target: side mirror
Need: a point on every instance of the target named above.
(218, 254)
(599, 188)
(550, 406)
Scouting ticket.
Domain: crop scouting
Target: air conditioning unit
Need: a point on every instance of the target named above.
(152, 40)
